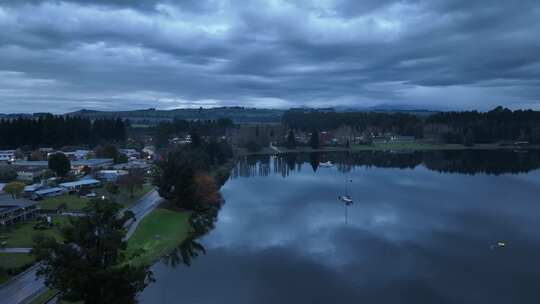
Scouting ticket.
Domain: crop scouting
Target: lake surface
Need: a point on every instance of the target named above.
(423, 228)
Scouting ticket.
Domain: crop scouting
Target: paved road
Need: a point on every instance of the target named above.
(26, 286)
(15, 250)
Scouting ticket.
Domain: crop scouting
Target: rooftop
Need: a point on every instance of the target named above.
(7, 201)
(82, 182)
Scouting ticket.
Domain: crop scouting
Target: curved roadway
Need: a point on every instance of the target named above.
(26, 286)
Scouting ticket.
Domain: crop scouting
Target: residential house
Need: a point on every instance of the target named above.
(111, 175)
(7, 156)
(16, 210)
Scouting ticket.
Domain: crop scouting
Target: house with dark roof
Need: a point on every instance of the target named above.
(14, 210)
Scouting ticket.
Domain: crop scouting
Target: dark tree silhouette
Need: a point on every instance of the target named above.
(88, 265)
(291, 140)
(314, 141)
(59, 164)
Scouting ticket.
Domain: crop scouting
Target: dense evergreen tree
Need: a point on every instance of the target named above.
(111, 151)
(59, 164)
(314, 141)
(500, 124)
(212, 128)
(405, 124)
(7, 174)
(88, 265)
(291, 140)
(57, 131)
(132, 181)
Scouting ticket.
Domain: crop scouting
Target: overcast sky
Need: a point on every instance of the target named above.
(64, 55)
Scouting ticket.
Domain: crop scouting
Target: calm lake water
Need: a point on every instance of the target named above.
(423, 228)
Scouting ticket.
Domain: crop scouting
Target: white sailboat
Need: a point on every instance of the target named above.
(327, 164)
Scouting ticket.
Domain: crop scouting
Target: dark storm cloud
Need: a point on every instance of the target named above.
(164, 53)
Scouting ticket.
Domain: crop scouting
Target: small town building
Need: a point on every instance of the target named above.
(31, 189)
(14, 210)
(29, 175)
(111, 175)
(49, 192)
(132, 165)
(77, 154)
(78, 185)
(95, 163)
(7, 155)
(130, 153)
(402, 139)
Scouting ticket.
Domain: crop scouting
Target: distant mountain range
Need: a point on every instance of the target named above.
(237, 114)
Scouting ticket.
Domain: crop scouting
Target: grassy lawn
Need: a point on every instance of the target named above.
(73, 202)
(123, 197)
(13, 261)
(44, 297)
(158, 233)
(21, 235)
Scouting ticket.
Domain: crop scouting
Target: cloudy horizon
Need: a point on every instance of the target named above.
(64, 55)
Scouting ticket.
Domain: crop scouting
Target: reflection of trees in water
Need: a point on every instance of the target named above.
(201, 222)
(458, 161)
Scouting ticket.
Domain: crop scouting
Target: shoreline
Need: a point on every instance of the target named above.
(402, 147)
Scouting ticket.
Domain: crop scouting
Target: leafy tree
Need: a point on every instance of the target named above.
(7, 174)
(314, 141)
(57, 131)
(14, 188)
(131, 181)
(60, 164)
(314, 160)
(121, 159)
(110, 151)
(47, 173)
(89, 264)
(36, 155)
(291, 140)
(63, 206)
(112, 188)
(218, 152)
(175, 177)
(207, 192)
(195, 140)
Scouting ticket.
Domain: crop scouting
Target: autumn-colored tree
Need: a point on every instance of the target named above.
(207, 192)
(131, 181)
(36, 155)
(14, 188)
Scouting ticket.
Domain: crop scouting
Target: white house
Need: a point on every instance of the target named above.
(29, 176)
(7, 155)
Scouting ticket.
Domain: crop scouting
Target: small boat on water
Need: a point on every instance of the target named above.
(327, 164)
(346, 199)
